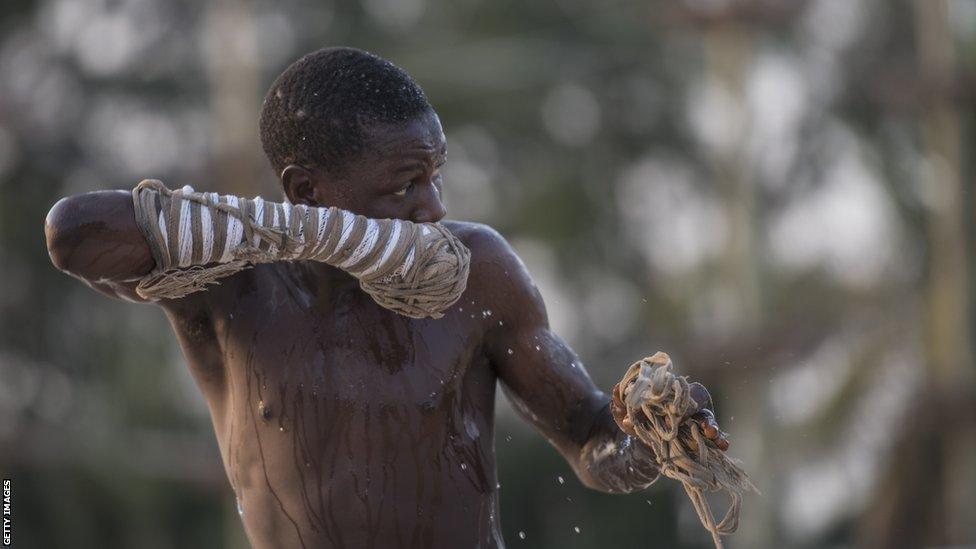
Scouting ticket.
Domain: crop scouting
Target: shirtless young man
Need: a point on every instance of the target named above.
(341, 423)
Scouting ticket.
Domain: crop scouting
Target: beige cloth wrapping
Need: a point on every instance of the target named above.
(417, 270)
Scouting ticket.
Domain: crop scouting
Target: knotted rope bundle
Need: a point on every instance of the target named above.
(417, 270)
(657, 401)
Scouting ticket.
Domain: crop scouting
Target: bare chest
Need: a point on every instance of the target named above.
(332, 407)
(285, 347)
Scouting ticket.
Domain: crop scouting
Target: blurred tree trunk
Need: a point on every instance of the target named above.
(728, 57)
(231, 55)
(948, 325)
(928, 496)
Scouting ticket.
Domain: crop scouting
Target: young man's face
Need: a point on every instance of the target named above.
(397, 175)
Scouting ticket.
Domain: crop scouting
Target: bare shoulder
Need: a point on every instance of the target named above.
(484, 241)
(493, 259)
(497, 272)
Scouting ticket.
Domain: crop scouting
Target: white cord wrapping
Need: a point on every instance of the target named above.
(414, 269)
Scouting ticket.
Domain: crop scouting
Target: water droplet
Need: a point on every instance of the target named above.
(649, 502)
(508, 438)
(471, 427)
(521, 534)
(576, 529)
(511, 352)
(561, 480)
(500, 323)
(464, 466)
(537, 348)
(240, 510)
(231, 316)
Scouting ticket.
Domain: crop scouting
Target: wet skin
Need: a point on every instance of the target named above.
(342, 424)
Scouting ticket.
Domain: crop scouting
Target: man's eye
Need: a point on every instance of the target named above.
(403, 191)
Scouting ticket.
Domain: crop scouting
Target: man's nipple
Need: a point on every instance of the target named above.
(265, 411)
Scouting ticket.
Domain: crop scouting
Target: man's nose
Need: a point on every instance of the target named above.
(429, 208)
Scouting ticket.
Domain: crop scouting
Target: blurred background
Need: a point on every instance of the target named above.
(777, 193)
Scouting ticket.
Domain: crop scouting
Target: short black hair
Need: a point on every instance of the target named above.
(316, 111)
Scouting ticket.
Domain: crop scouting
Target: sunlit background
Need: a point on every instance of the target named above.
(777, 193)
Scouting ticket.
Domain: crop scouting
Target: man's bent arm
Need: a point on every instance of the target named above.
(547, 382)
(194, 239)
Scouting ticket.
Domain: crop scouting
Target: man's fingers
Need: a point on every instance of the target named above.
(703, 416)
(617, 405)
(706, 420)
(711, 430)
(709, 427)
(616, 396)
(626, 425)
(722, 443)
(619, 412)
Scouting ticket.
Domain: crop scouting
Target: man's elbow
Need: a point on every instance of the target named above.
(59, 238)
(94, 236)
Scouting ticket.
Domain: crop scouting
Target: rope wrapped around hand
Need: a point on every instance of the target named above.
(657, 403)
(415, 269)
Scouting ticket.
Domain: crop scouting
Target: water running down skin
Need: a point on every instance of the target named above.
(342, 424)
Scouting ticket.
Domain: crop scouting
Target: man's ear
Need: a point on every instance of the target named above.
(299, 185)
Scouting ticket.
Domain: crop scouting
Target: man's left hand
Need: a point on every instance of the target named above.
(702, 415)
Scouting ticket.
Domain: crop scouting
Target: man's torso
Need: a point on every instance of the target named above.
(341, 423)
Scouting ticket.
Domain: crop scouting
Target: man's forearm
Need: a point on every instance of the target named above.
(188, 229)
(613, 461)
(417, 270)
